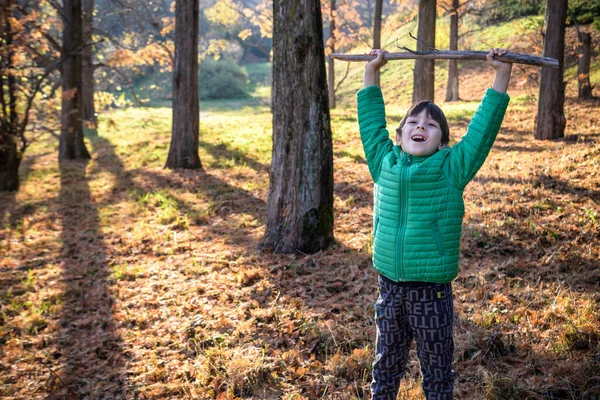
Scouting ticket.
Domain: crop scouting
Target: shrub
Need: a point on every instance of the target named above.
(221, 80)
(585, 11)
(503, 10)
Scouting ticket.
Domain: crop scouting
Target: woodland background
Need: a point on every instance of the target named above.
(122, 279)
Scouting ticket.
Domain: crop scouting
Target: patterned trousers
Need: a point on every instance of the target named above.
(403, 313)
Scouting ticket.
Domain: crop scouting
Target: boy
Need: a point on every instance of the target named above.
(418, 214)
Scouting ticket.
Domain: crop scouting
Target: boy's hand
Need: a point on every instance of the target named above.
(498, 64)
(378, 62)
(373, 66)
(503, 70)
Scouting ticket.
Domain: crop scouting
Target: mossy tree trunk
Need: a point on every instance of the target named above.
(300, 204)
(550, 121)
(424, 69)
(183, 151)
(71, 145)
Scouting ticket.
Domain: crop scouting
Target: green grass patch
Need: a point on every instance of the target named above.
(236, 137)
(460, 112)
(164, 206)
(126, 272)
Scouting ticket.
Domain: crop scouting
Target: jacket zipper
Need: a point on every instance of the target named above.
(403, 212)
(438, 238)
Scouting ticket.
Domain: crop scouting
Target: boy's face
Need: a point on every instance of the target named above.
(421, 135)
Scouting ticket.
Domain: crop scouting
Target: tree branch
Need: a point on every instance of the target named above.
(515, 58)
(60, 11)
(343, 78)
(38, 85)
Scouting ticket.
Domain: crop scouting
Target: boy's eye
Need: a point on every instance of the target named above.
(434, 125)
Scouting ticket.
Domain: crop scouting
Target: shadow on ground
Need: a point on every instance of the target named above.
(89, 349)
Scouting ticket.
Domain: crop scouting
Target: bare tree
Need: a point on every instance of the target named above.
(9, 142)
(424, 69)
(550, 121)
(331, 72)
(87, 79)
(21, 80)
(452, 85)
(71, 136)
(583, 68)
(300, 204)
(183, 152)
(377, 32)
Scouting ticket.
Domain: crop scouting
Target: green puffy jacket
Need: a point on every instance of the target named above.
(419, 207)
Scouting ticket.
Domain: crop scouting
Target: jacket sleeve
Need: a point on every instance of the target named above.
(467, 156)
(373, 133)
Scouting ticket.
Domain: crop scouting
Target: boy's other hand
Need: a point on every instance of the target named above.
(498, 64)
(377, 62)
(503, 69)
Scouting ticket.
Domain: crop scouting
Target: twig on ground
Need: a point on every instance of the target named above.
(53, 373)
(332, 335)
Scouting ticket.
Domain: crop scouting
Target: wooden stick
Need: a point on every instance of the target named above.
(515, 58)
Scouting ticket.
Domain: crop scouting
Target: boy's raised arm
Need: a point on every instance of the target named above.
(371, 117)
(467, 157)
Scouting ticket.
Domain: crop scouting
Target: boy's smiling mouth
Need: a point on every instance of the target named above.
(419, 138)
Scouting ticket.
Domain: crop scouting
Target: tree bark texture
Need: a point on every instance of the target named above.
(10, 159)
(369, 20)
(377, 33)
(87, 89)
(10, 156)
(331, 65)
(452, 85)
(583, 69)
(71, 145)
(183, 152)
(550, 121)
(424, 69)
(300, 204)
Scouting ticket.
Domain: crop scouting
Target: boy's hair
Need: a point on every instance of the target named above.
(434, 112)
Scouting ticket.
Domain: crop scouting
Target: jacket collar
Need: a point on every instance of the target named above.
(405, 158)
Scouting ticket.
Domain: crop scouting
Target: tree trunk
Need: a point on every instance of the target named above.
(424, 69)
(452, 86)
(300, 205)
(331, 74)
(377, 33)
(10, 159)
(583, 69)
(71, 136)
(183, 152)
(9, 153)
(369, 20)
(550, 121)
(87, 93)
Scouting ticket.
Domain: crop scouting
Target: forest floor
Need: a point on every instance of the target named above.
(120, 279)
